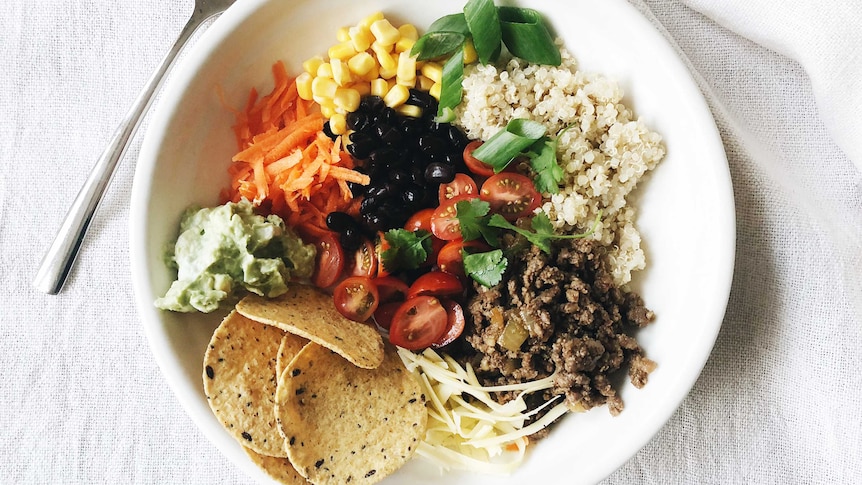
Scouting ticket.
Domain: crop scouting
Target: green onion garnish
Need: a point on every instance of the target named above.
(437, 44)
(484, 24)
(450, 86)
(526, 36)
(506, 144)
(450, 23)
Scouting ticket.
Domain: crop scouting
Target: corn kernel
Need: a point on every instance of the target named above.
(396, 96)
(406, 71)
(327, 111)
(361, 38)
(424, 83)
(371, 75)
(310, 66)
(384, 58)
(343, 34)
(384, 32)
(325, 70)
(470, 55)
(363, 88)
(303, 86)
(338, 124)
(404, 44)
(435, 91)
(409, 31)
(346, 98)
(410, 110)
(322, 86)
(433, 71)
(388, 73)
(367, 21)
(379, 87)
(361, 63)
(340, 72)
(343, 50)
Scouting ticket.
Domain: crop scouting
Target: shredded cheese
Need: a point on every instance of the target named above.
(481, 435)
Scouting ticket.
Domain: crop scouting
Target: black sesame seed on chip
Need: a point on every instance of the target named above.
(246, 435)
(210, 372)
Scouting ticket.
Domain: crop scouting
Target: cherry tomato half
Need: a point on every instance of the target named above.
(391, 288)
(385, 312)
(511, 195)
(444, 221)
(418, 323)
(450, 260)
(454, 324)
(420, 220)
(356, 298)
(329, 262)
(365, 260)
(474, 164)
(380, 246)
(463, 184)
(435, 283)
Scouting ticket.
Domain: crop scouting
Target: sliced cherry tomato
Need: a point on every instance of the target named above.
(329, 262)
(474, 164)
(391, 288)
(385, 312)
(380, 246)
(365, 260)
(511, 195)
(356, 298)
(450, 260)
(455, 323)
(444, 223)
(420, 220)
(418, 323)
(463, 184)
(435, 283)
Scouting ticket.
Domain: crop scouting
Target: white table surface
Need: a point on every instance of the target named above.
(82, 401)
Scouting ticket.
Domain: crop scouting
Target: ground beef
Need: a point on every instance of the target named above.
(572, 319)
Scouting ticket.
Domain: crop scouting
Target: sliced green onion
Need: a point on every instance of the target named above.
(484, 25)
(445, 115)
(450, 86)
(437, 44)
(527, 36)
(506, 144)
(450, 23)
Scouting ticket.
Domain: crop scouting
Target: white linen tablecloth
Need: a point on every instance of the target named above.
(780, 400)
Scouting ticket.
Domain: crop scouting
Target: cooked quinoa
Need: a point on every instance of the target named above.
(604, 154)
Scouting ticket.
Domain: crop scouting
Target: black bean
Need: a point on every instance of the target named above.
(374, 221)
(383, 155)
(358, 121)
(432, 145)
(361, 144)
(371, 103)
(399, 177)
(437, 128)
(388, 133)
(439, 173)
(339, 221)
(457, 138)
(387, 115)
(327, 130)
(410, 127)
(368, 205)
(350, 239)
(453, 158)
(420, 98)
(413, 195)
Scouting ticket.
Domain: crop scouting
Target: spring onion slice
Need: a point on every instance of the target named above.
(450, 87)
(437, 44)
(526, 36)
(506, 144)
(450, 23)
(474, 433)
(484, 25)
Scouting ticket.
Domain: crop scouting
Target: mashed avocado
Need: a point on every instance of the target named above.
(223, 249)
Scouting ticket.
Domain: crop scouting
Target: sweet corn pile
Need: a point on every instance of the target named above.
(371, 57)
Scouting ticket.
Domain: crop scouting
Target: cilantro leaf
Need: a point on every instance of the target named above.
(486, 268)
(472, 215)
(407, 249)
(549, 173)
(543, 230)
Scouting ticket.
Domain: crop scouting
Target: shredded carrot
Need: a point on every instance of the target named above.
(284, 163)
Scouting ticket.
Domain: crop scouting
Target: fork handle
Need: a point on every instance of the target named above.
(60, 257)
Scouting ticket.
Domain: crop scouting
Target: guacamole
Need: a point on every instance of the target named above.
(224, 250)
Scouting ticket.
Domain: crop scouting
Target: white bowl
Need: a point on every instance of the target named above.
(686, 213)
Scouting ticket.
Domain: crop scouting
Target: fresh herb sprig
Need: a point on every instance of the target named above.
(407, 249)
(523, 31)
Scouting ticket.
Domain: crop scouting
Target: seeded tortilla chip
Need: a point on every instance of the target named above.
(290, 346)
(344, 424)
(310, 313)
(279, 469)
(240, 382)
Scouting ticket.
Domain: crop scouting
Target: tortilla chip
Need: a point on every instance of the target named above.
(240, 382)
(344, 424)
(278, 468)
(310, 313)
(290, 346)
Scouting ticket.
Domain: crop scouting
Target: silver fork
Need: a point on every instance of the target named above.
(58, 261)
